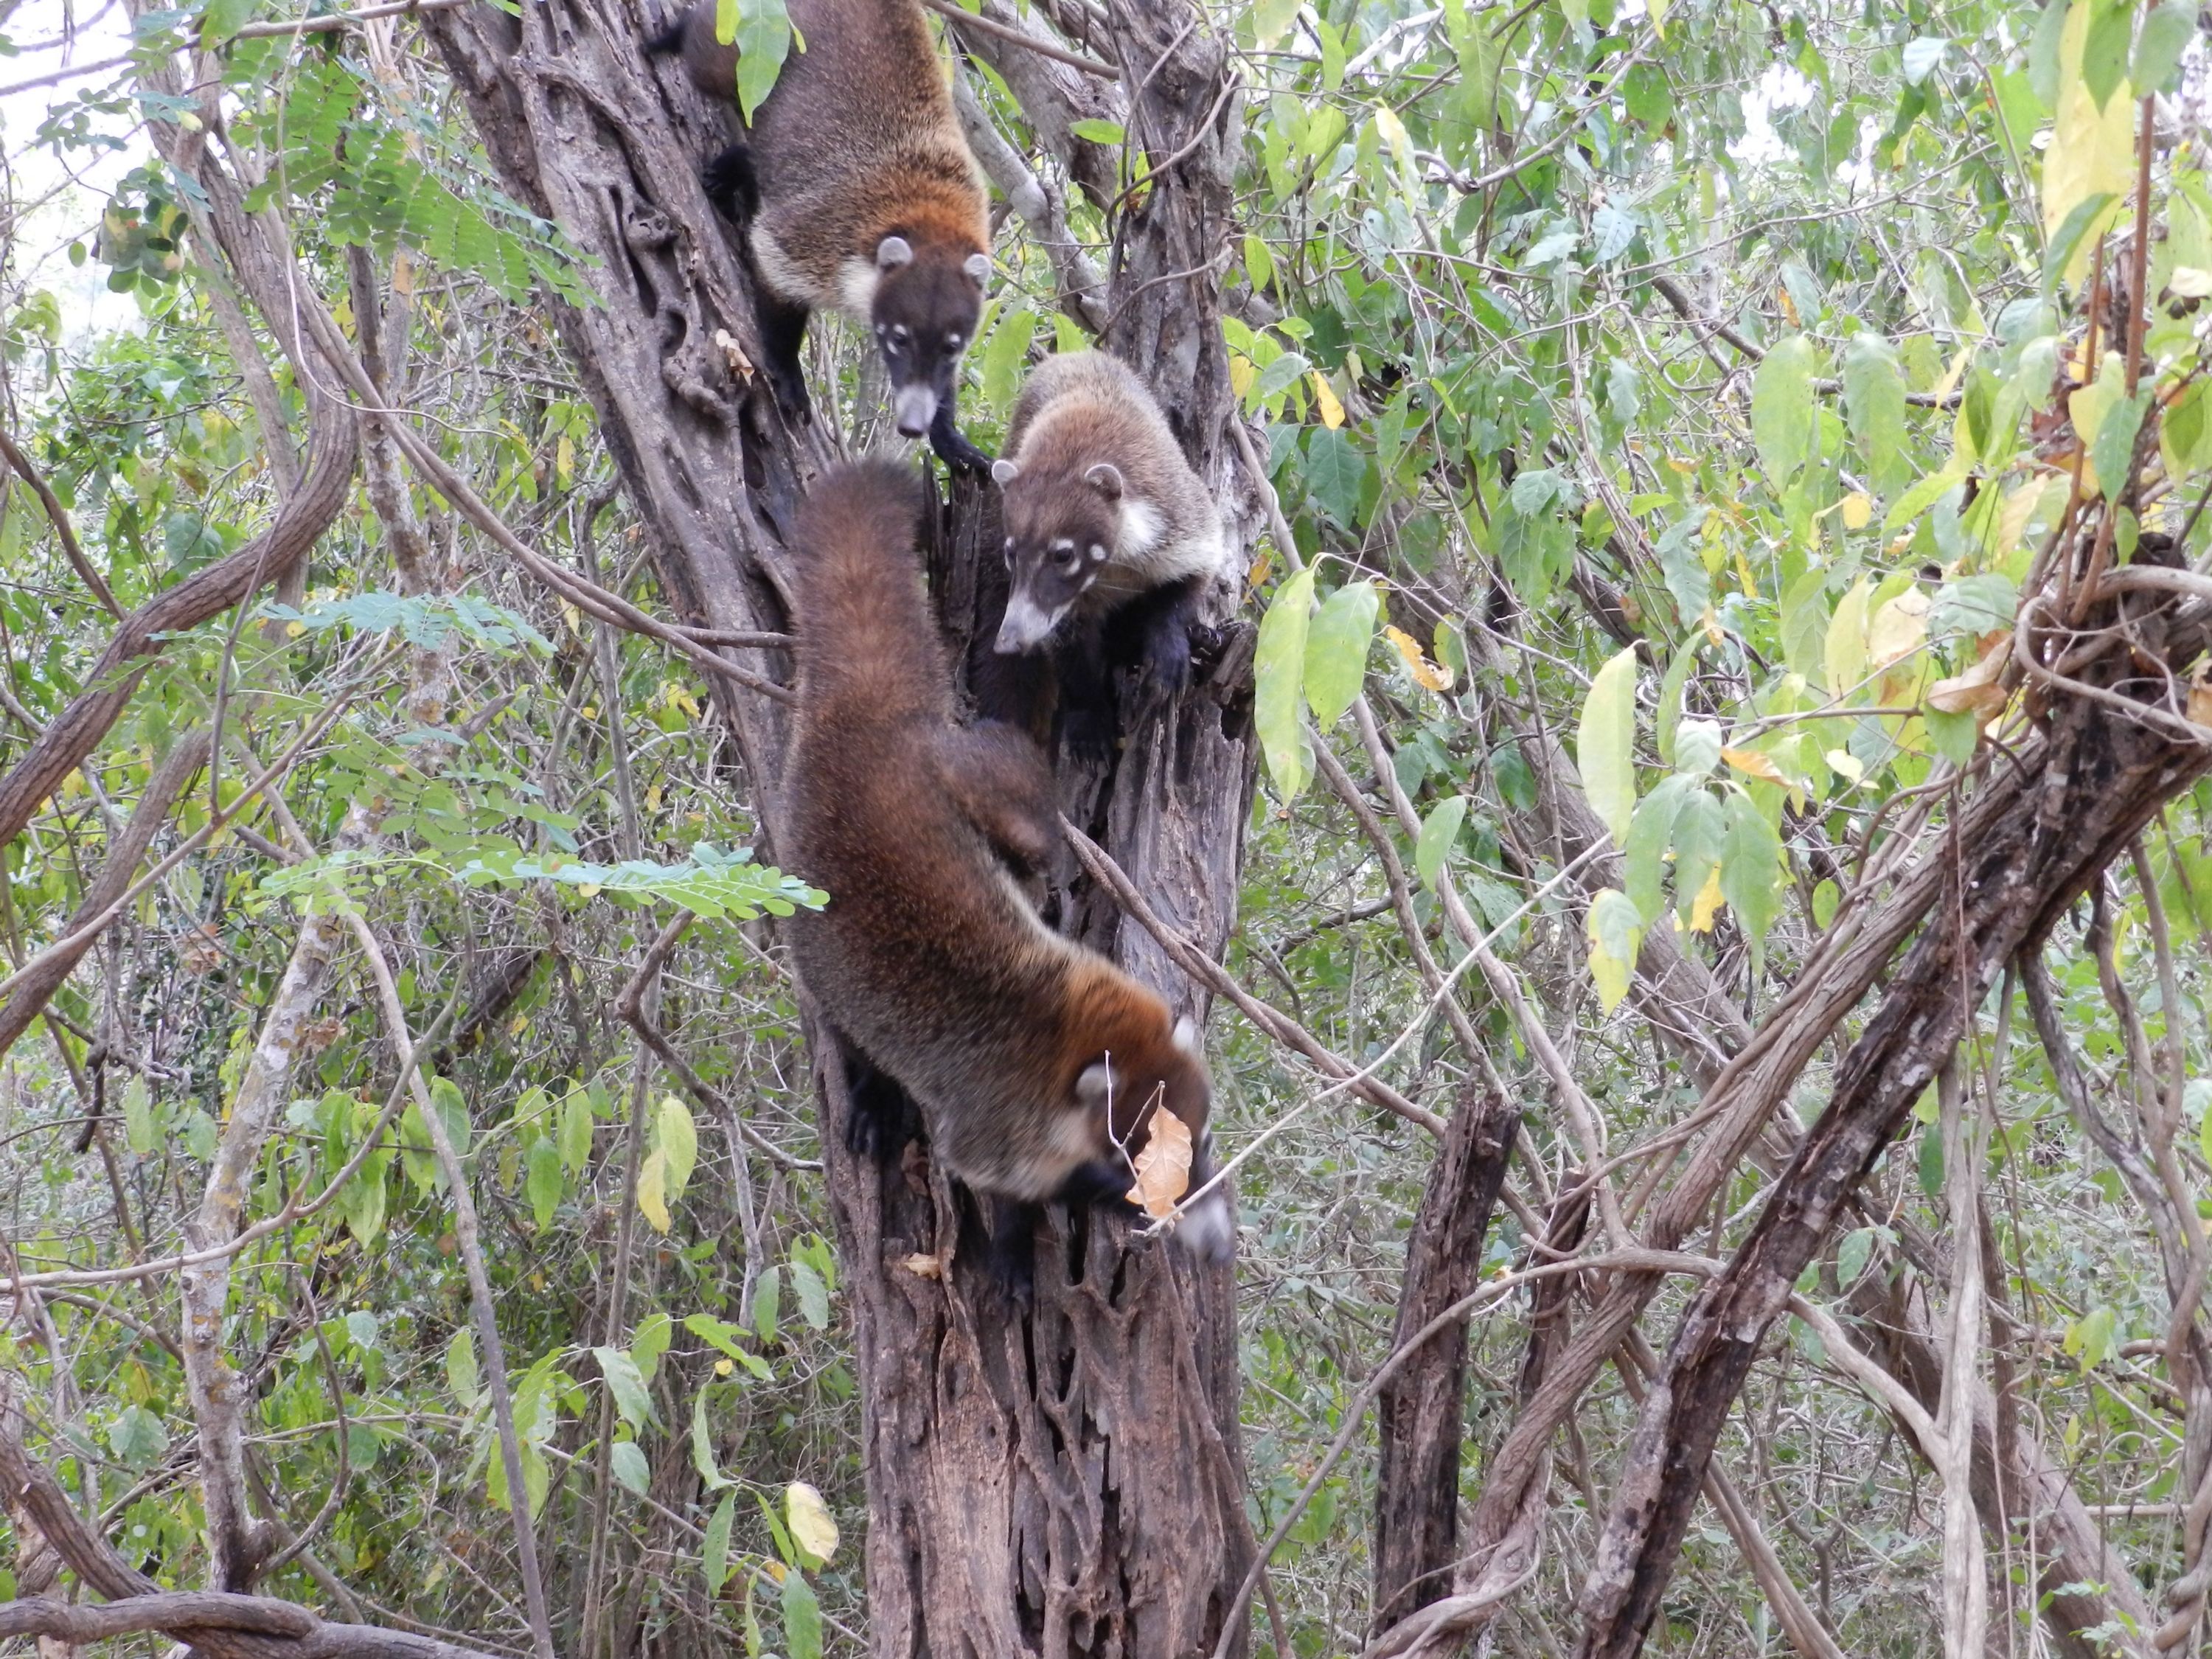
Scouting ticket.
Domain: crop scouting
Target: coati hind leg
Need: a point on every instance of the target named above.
(997, 778)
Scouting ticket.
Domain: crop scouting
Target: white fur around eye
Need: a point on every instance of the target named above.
(1098, 554)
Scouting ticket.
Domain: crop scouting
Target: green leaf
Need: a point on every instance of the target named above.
(768, 1298)
(461, 1375)
(1805, 625)
(1336, 473)
(811, 1294)
(702, 1446)
(649, 1341)
(139, 1130)
(1751, 872)
(2105, 49)
(1271, 19)
(1605, 744)
(725, 1336)
(2165, 35)
(1000, 370)
(1781, 408)
(1097, 132)
(802, 1618)
(453, 1113)
(1874, 396)
(1650, 835)
(714, 1550)
(1845, 652)
(1278, 673)
(627, 1383)
(576, 1131)
(1616, 933)
(762, 36)
(2114, 449)
(137, 1437)
(1337, 642)
(626, 1459)
(2093, 1337)
(1439, 831)
(1852, 1255)
(541, 1183)
(679, 1145)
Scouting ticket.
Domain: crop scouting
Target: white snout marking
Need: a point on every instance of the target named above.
(1026, 625)
(914, 407)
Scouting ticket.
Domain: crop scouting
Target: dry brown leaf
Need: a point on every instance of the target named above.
(1424, 672)
(1163, 1166)
(923, 1266)
(2200, 699)
(1976, 691)
(1752, 764)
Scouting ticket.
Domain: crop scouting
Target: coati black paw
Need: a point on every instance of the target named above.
(1167, 657)
(1012, 1256)
(1088, 731)
(1100, 1183)
(882, 1119)
(953, 448)
(733, 185)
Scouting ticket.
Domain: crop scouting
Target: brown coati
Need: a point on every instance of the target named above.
(1112, 538)
(860, 195)
(1035, 1061)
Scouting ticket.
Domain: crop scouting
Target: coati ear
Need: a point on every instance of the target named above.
(977, 266)
(892, 253)
(1106, 479)
(1095, 1085)
(1003, 471)
(1188, 1037)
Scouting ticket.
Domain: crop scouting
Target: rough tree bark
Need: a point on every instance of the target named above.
(1071, 1481)
(1421, 1414)
(2100, 776)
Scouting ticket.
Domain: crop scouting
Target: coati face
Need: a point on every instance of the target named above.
(1059, 537)
(1126, 1092)
(924, 310)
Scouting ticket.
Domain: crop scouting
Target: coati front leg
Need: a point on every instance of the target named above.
(733, 186)
(881, 1116)
(1153, 632)
(783, 331)
(952, 447)
(1086, 693)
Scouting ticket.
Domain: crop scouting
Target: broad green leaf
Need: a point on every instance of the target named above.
(139, 1130)
(811, 1527)
(2165, 35)
(1096, 132)
(724, 1336)
(1852, 1255)
(1805, 625)
(1781, 408)
(1278, 673)
(1271, 19)
(461, 1373)
(1650, 835)
(137, 1437)
(1336, 473)
(652, 1192)
(627, 1383)
(2092, 1338)
(452, 1113)
(763, 34)
(1005, 355)
(811, 1294)
(542, 1183)
(1751, 868)
(1337, 642)
(1698, 748)
(768, 1299)
(1874, 393)
(678, 1144)
(714, 1549)
(1605, 744)
(626, 1458)
(1439, 831)
(1616, 933)
(802, 1618)
(576, 1131)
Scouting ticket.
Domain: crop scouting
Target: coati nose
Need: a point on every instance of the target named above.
(1025, 626)
(915, 408)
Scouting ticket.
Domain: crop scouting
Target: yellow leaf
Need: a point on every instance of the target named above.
(1788, 306)
(1976, 691)
(1163, 1166)
(1706, 904)
(808, 1517)
(1325, 399)
(2190, 283)
(2092, 150)
(1898, 629)
(1950, 379)
(723, 1367)
(1242, 373)
(1752, 764)
(1845, 765)
(2013, 517)
(652, 1192)
(1424, 672)
(293, 630)
(588, 889)
(1858, 510)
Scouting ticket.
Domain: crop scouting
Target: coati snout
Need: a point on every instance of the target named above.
(923, 308)
(1058, 541)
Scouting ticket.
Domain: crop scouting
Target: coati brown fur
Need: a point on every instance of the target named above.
(1035, 1062)
(860, 195)
(1112, 538)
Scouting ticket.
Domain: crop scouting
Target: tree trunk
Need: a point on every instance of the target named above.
(1422, 1414)
(1070, 1481)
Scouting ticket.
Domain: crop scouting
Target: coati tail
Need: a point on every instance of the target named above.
(867, 639)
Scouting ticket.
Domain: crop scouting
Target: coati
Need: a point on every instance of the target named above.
(860, 195)
(1110, 537)
(1035, 1061)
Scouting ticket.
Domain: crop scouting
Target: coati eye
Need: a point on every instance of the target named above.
(899, 333)
(1009, 552)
